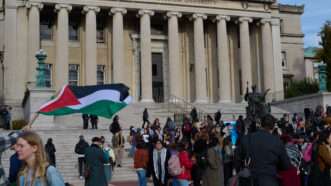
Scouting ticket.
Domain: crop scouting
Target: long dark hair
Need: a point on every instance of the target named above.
(324, 135)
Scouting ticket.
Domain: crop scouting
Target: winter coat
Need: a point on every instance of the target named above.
(211, 176)
(141, 158)
(95, 160)
(81, 147)
(187, 164)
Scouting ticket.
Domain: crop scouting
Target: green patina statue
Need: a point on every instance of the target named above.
(41, 56)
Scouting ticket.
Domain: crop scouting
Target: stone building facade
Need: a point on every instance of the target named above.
(202, 51)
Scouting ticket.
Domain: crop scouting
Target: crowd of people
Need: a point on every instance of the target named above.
(207, 152)
(212, 152)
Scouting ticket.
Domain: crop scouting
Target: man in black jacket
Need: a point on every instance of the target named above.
(80, 150)
(267, 154)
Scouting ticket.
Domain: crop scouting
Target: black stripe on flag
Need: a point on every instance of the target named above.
(82, 91)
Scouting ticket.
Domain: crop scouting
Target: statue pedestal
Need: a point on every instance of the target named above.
(37, 97)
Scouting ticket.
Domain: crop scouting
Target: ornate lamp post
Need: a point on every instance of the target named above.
(322, 72)
(41, 56)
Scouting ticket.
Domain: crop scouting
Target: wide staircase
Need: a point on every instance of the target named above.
(66, 130)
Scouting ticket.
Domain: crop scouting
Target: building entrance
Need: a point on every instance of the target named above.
(157, 77)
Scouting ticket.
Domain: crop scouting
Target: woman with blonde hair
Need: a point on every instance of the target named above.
(36, 170)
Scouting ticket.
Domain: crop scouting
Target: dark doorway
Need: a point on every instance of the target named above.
(157, 77)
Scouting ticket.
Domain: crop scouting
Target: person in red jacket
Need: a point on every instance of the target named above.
(141, 159)
(186, 164)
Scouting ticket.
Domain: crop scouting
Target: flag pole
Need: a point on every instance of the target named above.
(35, 116)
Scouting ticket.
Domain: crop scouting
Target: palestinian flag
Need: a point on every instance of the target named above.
(100, 100)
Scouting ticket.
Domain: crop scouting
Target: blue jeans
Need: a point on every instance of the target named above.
(142, 177)
(179, 182)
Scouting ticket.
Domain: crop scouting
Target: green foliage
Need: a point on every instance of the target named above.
(324, 54)
(18, 124)
(301, 87)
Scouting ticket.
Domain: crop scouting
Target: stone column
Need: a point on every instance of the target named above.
(245, 54)
(91, 44)
(33, 38)
(62, 45)
(223, 59)
(146, 55)
(200, 59)
(173, 49)
(267, 55)
(118, 44)
(277, 60)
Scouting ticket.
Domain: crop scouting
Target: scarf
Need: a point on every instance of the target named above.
(155, 163)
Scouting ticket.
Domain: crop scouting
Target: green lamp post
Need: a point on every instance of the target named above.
(322, 77)
(41, 56)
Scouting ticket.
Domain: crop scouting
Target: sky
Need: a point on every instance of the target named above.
(316, 13)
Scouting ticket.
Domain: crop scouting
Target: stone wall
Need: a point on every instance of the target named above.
(297, 104)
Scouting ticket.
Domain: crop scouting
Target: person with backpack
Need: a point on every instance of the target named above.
(80, 150)
(181, 166)
(108, 166)
(322, 161)
(158, 164)
(36, 170)
(141, 159)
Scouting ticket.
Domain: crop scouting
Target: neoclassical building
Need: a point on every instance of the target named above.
(202, 51)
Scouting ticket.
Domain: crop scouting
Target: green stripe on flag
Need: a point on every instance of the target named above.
(103, 108)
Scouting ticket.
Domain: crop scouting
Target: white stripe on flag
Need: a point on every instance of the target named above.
(111, 95)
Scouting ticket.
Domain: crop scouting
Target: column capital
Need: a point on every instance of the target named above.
(147, 12)
(275, 22)
(265, 21)
(63, 6)
(222, 17)
(176, 14)
(117, 10)
(31, 4)
(245, 19)
(91, 8)
(198, 15)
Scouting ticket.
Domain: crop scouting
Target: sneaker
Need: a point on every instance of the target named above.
(81, 177)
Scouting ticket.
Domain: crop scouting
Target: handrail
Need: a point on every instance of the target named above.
(185, 105)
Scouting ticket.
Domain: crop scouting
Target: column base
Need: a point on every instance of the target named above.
(201, 101)
(224, 101)
(146, 100)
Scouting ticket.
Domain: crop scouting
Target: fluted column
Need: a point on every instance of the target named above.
(200, 59)
(268, 70)
(33, 38)
(245, 54)
(277, 60)
(62, 45)
(223, 59)
(173, 49)
(91, 44)
(146, 55)
(118, 44)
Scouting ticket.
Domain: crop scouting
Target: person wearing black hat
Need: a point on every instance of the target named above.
(95, 159)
